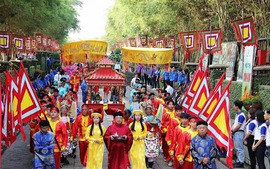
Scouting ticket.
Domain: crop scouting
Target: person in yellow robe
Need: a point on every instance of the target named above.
(139, 132)
(94, 135)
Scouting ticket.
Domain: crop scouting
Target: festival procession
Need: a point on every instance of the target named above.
(104, 84)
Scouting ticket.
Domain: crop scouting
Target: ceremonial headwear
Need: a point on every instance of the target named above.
(138, 112)
(96, 115)
(193, 119)
(202, 123)
(44, 123)
(55, 109)
(148, 107)
(119, 113)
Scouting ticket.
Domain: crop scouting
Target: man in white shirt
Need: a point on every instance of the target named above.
(238, 134)
(169, 89)
(133, 80)
(57, 77)
(117, 66)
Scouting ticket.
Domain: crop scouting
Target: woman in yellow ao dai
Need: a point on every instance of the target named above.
(139, 132)
(94, 135)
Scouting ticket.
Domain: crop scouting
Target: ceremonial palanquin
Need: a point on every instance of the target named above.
(109, 78)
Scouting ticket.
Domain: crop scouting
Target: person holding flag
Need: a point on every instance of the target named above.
(183, 154)
(61, 135)
(79, 126)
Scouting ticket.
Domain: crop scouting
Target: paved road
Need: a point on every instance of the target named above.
(18, 155)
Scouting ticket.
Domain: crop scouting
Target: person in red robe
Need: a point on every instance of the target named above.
(61, 135)
(167, 114)
(79, 126)
(118, 140)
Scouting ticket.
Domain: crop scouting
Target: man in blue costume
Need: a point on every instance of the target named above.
(203, 148)
(44, 146)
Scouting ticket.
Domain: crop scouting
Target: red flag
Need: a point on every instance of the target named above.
(221, 117)
(193, 86)
(30, 106)
(1, 112)
(8, 129)
(14, 103)
(213, 99)
(200, 96)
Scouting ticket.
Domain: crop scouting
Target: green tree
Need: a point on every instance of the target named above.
(129, 18)
(54, 18)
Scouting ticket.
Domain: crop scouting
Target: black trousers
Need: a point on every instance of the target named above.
(251, 153)
(260, 151)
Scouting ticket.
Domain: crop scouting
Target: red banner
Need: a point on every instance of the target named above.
(190, 41)
(212, 40)
(18, 43)
(244, 29)
(5, 41)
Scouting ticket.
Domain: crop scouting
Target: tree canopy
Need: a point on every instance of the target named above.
(129, 18)
(54, 18)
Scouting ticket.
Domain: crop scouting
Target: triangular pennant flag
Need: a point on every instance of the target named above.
(200, 97)
(221, 117)
(30, 105)
(213, 99)
(14, 104)
(193, 86)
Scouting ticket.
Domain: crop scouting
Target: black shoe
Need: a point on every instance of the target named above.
(238, 165)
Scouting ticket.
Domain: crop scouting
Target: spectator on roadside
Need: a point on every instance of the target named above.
(259, 145)
(267, 118)
(238, 133)
(249, 138)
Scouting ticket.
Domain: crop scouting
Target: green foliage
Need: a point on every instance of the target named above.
(54, 18)
(117, 51)
(262, 78)
(235, 94)
(215, 74)
(264, 93)
(129, 18)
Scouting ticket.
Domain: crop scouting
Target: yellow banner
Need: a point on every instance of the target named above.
(147, 55)
(77, 51)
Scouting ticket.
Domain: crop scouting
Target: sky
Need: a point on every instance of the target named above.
(92, 19)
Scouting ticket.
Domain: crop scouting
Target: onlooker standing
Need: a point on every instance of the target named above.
(267, 118)
(259, 139)
(203, 148)
(157, 76)
(117, 66)
(238, 133)
(249, 138)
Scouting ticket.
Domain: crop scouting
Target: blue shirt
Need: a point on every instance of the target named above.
(241, 118)
(180, 78)
(44, 146)
(165, 75)
(203, 147)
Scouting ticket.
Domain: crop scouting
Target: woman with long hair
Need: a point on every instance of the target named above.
(259, 145)
(139, 132)
(249, 137)
(94, 135)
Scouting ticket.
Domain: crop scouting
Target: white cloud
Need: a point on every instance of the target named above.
(92, 19)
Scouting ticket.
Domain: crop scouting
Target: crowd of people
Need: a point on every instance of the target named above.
(152, 125)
